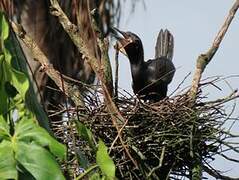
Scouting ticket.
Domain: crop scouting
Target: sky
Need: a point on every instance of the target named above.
(194, 25)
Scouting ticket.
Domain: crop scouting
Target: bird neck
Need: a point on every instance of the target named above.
(136, 60)
(136, 56)
(135, 53)
(137, 70)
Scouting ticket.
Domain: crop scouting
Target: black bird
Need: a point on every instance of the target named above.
(150, 78)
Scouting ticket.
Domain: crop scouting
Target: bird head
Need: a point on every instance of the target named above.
(129, 44)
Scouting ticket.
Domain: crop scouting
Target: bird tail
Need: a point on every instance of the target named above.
(165, 44)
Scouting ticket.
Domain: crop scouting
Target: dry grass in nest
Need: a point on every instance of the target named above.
(167, 134)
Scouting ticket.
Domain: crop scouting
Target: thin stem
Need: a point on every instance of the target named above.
(205, 58)
(87, 171)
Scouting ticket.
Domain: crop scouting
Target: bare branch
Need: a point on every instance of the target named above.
(116, 71)
(204, 59)
(47, 67)
(73, 32)
(217, 175)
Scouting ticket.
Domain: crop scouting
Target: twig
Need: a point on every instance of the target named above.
(202, 62)
(219, 101)
(104, 47)
(228, 158)
(160, 163)
(73, 32)
(48, 68)
(179, 85)
(87, 172)
(116, 71)
(121, 129)
(217, 175)
(204, 59)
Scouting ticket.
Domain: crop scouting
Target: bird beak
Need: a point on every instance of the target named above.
(118, 34)
(122, 40)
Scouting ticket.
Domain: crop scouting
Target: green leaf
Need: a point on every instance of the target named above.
(16, 78)
(20, 82)
(38, 161)
(4, 129)
(82, 159)
(7, 162)
(27, 130)
(86, 134)
(18, 62)
(10, 90)
(27, 147)
(7, 57)
(95, 176)
(3, 101)
(4, 27)
(104, 161)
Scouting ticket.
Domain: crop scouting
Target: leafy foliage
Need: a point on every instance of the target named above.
(24, 146)
(104, 161)
(27, 147)
(85, 134)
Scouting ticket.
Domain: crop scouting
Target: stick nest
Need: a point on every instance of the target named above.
(164, 137)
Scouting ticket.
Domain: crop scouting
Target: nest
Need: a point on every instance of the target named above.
(163, 138)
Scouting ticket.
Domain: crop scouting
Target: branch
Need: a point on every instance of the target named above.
(204, 59)
(223, 100)
(116, 72)
(217, 175)
(47, 67)
(73, 31)
(103, 44)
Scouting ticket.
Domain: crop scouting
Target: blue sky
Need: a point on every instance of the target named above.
(194, 25)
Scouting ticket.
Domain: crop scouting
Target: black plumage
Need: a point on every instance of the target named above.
(150, 78)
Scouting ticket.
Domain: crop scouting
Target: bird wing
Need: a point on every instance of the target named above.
(161, 69)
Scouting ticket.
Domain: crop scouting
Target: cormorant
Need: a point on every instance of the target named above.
(150, 78)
